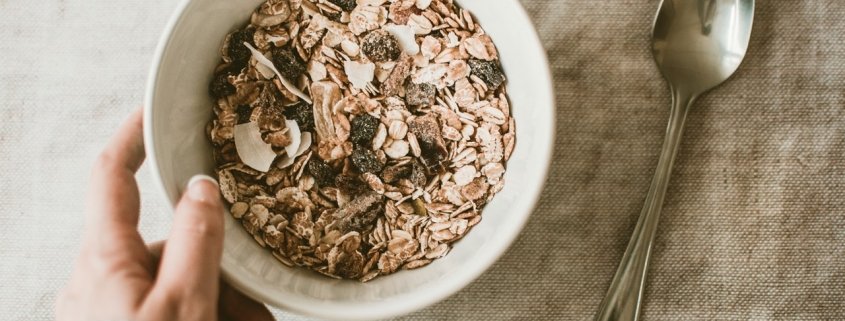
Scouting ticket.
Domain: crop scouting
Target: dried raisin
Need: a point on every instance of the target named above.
(323, 173)
(220, 87)
(349, 184)
(244, 112)
(391, 174)
(303, 114)
(363, 129)
(380, 46)
(288, 63)
(237, 51)
(366, 161)
(488, 71)
(347, 5)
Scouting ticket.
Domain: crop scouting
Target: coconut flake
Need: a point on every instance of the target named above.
(423, 4)
(295, 137)
(266, 62)
(359, 74)
(287, 161)
(405, 35)
(265, 71)
(253, 151)
(305, 144)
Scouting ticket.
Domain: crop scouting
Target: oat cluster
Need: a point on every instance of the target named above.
(357, 138)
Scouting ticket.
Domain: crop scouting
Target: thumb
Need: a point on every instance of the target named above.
(190, 264)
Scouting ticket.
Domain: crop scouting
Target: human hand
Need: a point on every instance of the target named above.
(118, 277)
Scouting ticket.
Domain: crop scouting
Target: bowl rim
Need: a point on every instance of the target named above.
(398, 305)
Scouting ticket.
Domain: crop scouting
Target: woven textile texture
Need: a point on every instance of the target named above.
(753, 225)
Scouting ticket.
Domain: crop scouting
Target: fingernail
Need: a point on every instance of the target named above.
(203, 192)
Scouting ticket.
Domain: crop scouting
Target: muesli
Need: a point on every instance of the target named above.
(357, 138)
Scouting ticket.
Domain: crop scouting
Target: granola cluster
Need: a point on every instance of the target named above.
(356, 138)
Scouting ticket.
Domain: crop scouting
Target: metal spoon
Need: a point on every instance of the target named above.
(697, 45)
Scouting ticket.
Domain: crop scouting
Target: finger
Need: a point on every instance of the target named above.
(190, 263)
(238, 307)
(113, 198)
(154, 249)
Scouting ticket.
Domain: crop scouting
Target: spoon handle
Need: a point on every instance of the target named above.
(622, 302)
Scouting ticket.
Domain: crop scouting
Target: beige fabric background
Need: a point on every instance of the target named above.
(753, 226)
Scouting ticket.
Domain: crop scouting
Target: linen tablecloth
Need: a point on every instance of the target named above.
(753, 226)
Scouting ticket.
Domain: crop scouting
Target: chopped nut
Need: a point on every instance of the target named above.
(398, 76)
(419, 94)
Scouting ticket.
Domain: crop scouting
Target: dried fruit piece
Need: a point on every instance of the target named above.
(379, 45)
(360, 213)
(303, 114)
(366, 161)
(393, 173)
(363, 129)
(244, 112)
(348, 184)
(288, 62)
(346, 5)
(426, 129)
(220, 87)
(322, 172)
(236, 49)
(397, 76)
(419, 94)
(488, 71)
(266, 62)
(418, 176)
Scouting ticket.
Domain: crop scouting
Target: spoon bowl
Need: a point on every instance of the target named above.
(697, 45)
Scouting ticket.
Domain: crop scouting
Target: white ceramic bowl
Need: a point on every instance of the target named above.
(178, 107)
